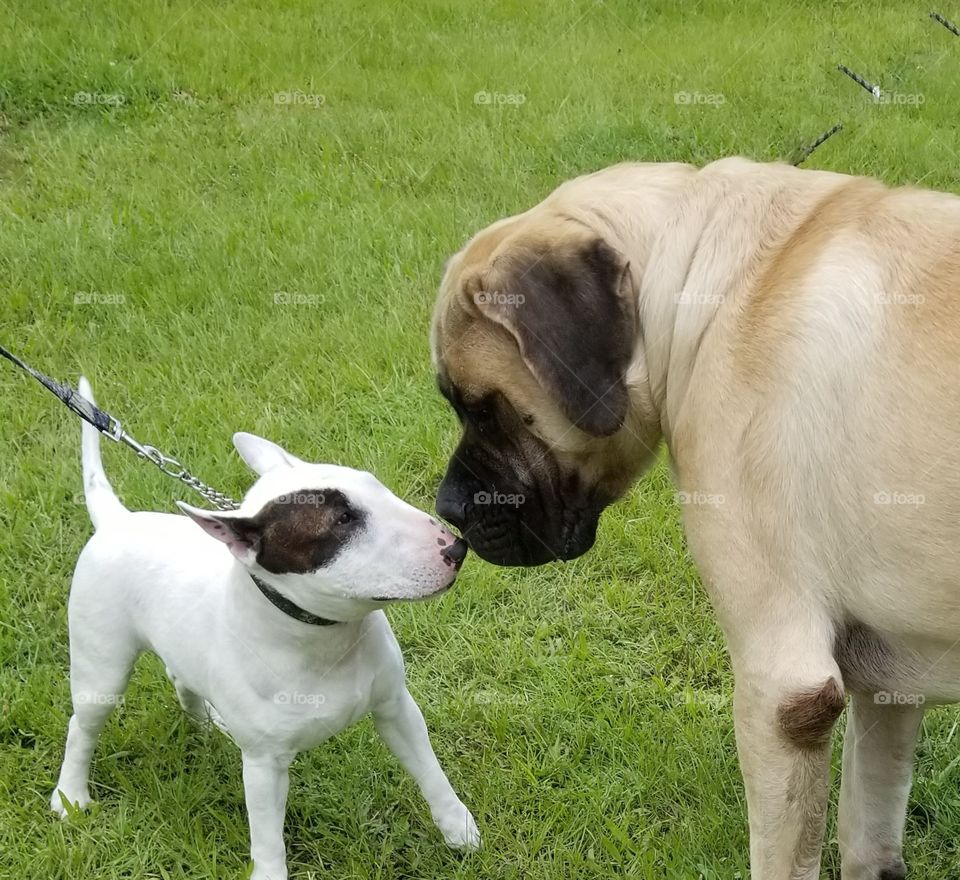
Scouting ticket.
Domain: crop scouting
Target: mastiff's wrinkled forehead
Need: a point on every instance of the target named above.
(533, 334)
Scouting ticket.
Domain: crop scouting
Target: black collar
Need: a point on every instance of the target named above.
(291, 609)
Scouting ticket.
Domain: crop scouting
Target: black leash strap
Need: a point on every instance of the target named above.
(860, 81)
(949, 25)
(102, 421)
(110, 427)
(805, 152)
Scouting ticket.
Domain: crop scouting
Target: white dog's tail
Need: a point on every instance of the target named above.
(102, 501)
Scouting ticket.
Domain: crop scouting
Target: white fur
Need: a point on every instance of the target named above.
(156, 582)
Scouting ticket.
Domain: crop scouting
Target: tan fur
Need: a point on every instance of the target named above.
(765, 316)
(799, 352)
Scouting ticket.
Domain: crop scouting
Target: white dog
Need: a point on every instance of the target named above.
(268, 619)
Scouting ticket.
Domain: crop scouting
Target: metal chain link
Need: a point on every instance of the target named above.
(110, 427)
(172, 468)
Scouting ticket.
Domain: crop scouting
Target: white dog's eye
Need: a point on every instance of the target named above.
(345, 518)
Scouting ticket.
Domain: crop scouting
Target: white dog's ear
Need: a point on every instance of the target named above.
(240, 533)
(262, 455)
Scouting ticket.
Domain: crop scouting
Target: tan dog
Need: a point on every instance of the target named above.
(794, 337)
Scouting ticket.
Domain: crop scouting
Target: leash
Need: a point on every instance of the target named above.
(949, 25)
(110, 427)
(860, 81)
(805, 152)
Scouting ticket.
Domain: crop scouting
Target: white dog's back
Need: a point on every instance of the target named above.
(122, 555)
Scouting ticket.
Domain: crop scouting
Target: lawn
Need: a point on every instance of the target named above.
(233, 215)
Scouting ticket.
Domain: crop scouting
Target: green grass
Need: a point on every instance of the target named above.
(582, 711)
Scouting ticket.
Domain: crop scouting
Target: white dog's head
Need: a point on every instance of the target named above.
(331, 539)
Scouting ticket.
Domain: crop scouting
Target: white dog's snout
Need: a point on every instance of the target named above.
(454, 554)
(444, 536)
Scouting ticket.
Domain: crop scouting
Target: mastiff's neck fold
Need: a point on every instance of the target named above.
(719, 236)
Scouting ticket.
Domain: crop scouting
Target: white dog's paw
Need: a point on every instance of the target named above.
(78, 801)
(262, 872)
(458, 828)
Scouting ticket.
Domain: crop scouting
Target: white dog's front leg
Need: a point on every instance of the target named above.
(266, 780)
(400, 723)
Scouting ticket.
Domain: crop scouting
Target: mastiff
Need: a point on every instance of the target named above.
(794, 338)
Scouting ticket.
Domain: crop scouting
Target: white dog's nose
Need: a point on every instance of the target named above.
(454, 554)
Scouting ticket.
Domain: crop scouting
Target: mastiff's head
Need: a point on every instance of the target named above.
(538, 349)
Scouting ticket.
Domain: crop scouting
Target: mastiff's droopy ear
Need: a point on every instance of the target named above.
(568, 308)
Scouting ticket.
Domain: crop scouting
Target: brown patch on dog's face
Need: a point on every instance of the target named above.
(301, 532)
(533, 335)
